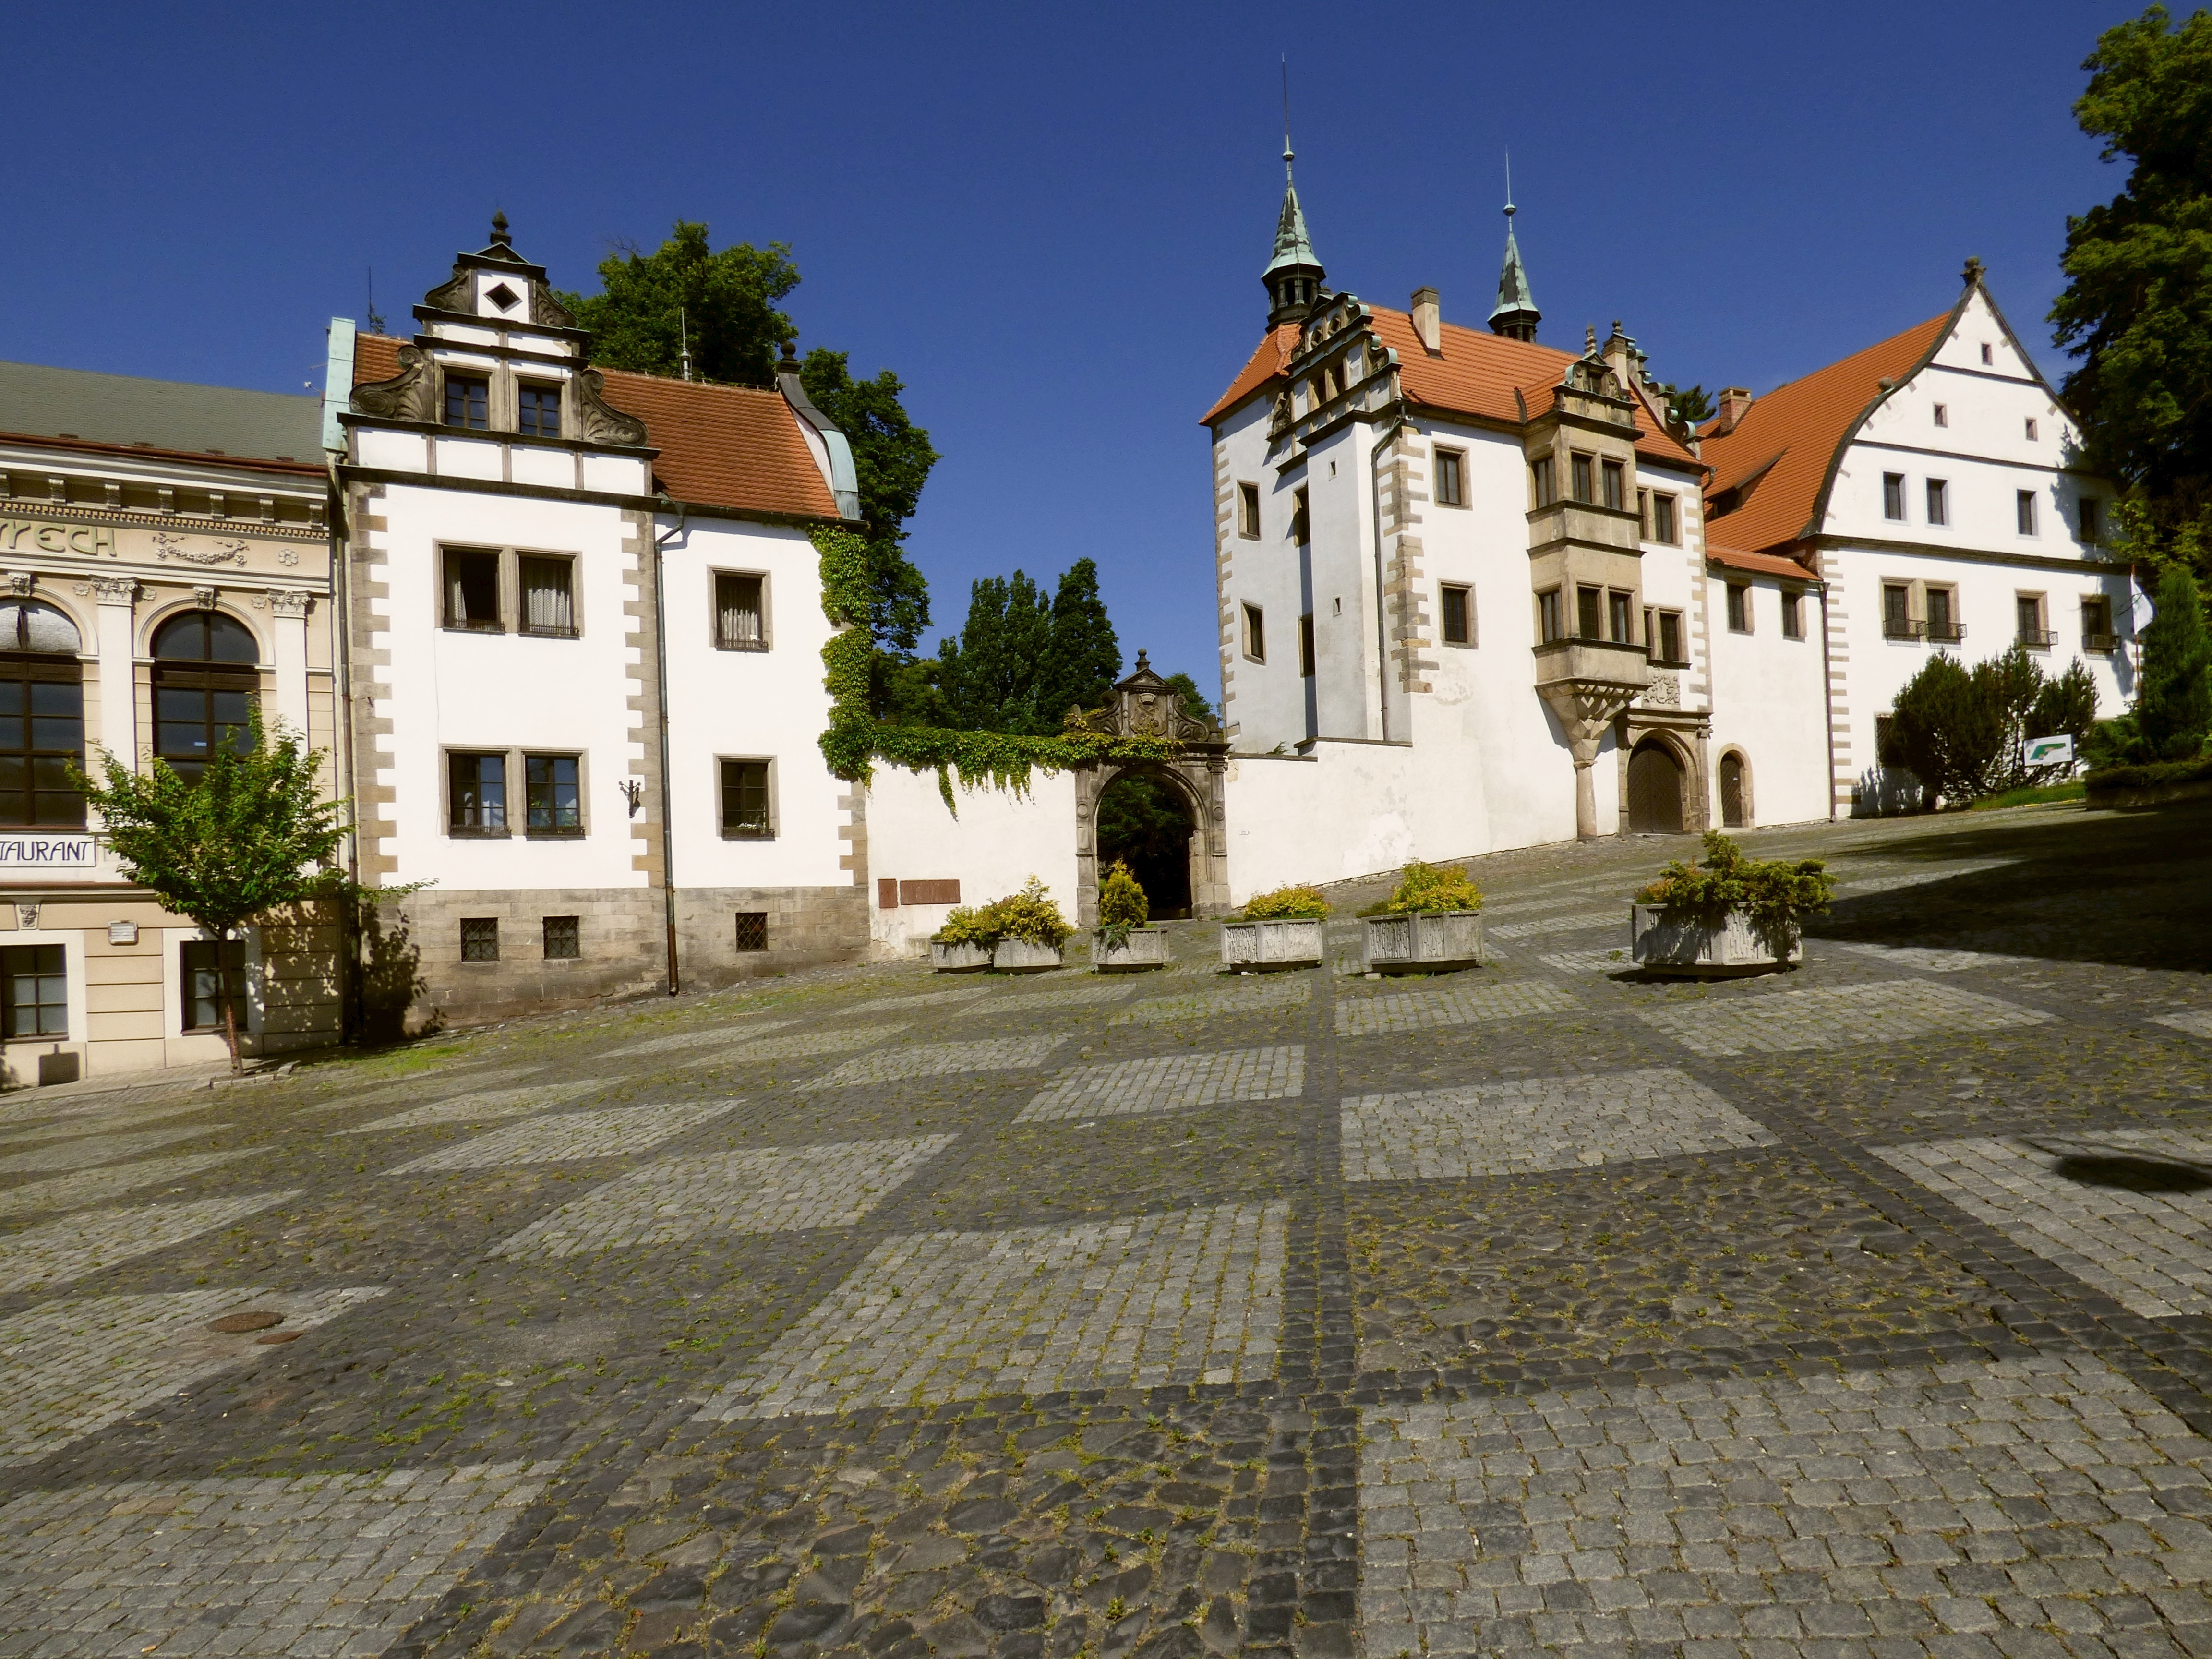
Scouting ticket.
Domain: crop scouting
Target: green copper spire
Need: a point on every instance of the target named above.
(1516, 315)
(1293, 277)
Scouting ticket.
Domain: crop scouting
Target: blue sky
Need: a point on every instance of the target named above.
(1049, 221)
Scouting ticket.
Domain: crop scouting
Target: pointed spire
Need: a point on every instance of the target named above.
(1293, 277)
(1516, 315)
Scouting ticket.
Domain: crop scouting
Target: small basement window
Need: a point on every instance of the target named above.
(479, 938)
(752, 930)
(564, 938)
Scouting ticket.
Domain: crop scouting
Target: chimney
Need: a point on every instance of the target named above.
(1428, 321)
(1735, 404)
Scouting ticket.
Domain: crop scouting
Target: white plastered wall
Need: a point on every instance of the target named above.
(998, 839)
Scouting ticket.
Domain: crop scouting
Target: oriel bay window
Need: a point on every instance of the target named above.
(1581, 478)
(746, 804)
(553, 802)
(476, 793)
(1619, 608)
(1613, 477)
(41, 717)
(204, 683)
(1590, 612)
(1551, 617)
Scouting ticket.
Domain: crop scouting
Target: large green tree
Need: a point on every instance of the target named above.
(1086, 657)
(2138, 306)
(2173, 708)
(724, 302)
(1022, 661)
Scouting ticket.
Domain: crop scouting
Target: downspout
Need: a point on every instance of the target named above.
(661, 660)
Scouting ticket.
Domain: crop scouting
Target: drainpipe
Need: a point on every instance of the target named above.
(661, 658)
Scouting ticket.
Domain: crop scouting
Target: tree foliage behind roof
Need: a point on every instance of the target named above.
(724, 301)
(1023, 661)
(2137, 307)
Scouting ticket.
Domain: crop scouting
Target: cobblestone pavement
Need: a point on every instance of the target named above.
(864, 1314)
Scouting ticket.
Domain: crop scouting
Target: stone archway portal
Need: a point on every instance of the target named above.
(1143, 705)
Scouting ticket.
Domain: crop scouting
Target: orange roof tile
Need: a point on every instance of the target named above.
(1476, 373)
(1786, 443)
(1761, 564)
(728, 447)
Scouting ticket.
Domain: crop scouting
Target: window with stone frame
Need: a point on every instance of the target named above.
(1739, 608)
(207, 974)
(471, 590)
(2028, 619)
(1247, 511)
(1666, 521)
(552, 801)
(468, 402)
(2097, 633)
(1670, 638)
(1550, 615)
(1451, 478)
(41, 717)
(475, 793)
(1892, 497)
(1938, 501)
(1619, 613)
(538, 412)
(747, 810)
(1793, 614)
(1590, 613)
(1943, 622)
(33, 991)
(1582, 478)
(564, 937)
(205, 679)
(740, 611)
(2089, 518)
(549, 596)
(1255, 633)
(1615, 477)
(480, 939)
(1456, 602)
(1543, 481)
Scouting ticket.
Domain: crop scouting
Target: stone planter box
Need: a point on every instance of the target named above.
(1015, 955)
(1146, 949)
(1264, 946)
(958, 959)
(1690, 948)
(1434, 942)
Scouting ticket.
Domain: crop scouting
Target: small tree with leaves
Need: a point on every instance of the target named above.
(247, 836)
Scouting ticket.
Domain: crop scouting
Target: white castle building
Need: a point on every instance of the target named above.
(1476, 593)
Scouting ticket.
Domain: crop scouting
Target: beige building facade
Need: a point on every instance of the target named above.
(164, 560)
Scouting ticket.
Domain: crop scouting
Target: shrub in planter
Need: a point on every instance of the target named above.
(1121, 942)
(1026, 918)
(1430, 921)
(1710, 905)
(1281, 929)
(1286, 904)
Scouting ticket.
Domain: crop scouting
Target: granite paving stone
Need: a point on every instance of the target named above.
(940, 1060)
(263, 1569)
(88, 1188)
(1392, 1012)
(1251, 994)
(72, 1246)
(563, 1136)
(2128, 1210)
(82, 1152)
(1887, 1012)
(1869, 1322)
(486, 1108)
(1583, 922)
(1185, 1297)
(1538, 1123)
(1167, 1083)
(755, 1190)
(67, 1368)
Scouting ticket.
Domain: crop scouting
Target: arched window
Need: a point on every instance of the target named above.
(41, 717)
(204, 679)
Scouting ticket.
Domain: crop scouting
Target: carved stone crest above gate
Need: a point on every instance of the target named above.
(1145, 706)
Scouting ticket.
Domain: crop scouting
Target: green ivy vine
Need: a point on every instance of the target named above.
(856, 740)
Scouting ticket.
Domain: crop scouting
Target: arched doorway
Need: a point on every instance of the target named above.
(1733, 816)
(1655, 789)
(1146, 821)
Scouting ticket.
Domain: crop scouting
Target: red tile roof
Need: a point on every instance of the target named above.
(1760, 564)
(729, 446)
(1476, 373)
(1786, 443)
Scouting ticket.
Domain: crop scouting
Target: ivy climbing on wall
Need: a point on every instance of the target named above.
(856, 740)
